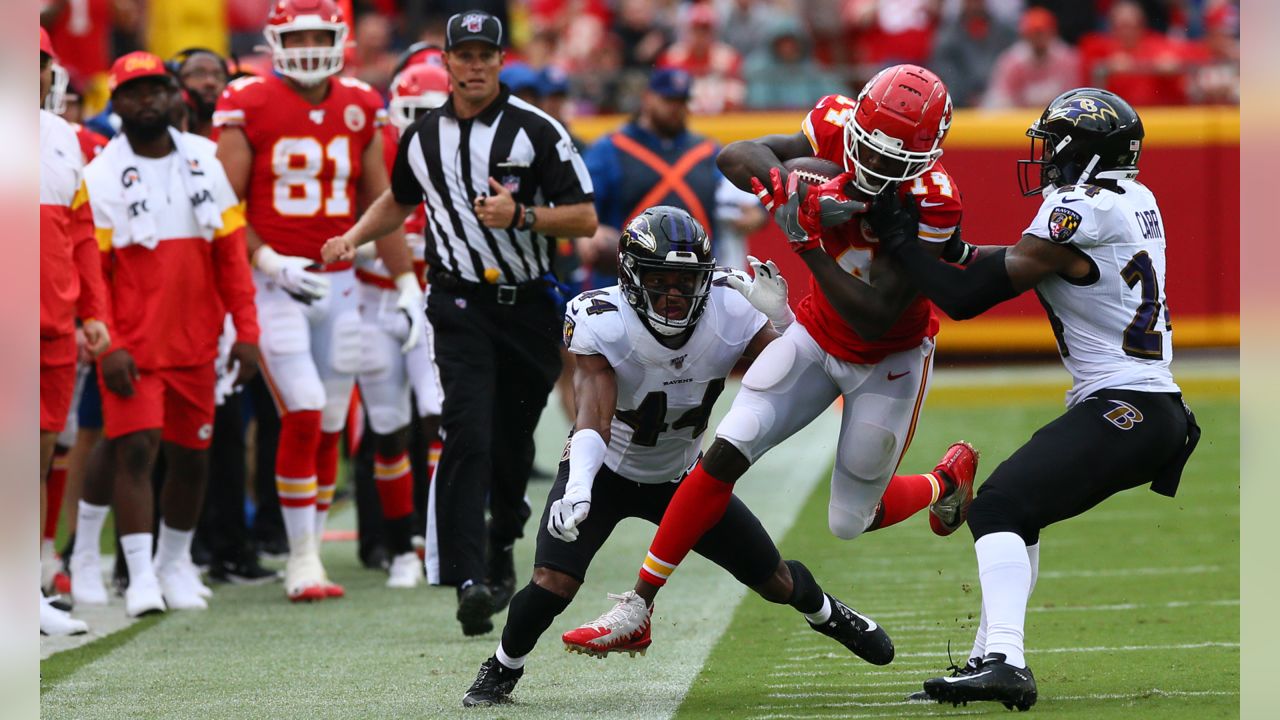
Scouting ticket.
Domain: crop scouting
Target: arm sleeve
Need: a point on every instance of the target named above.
(404, 183)
(93, 302)
(562, 175)
(961, 294)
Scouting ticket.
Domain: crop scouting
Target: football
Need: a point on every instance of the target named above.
(816, 170)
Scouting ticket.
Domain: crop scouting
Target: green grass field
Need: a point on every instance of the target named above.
(1136, 613)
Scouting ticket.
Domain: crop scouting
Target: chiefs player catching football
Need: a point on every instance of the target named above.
(862, 333)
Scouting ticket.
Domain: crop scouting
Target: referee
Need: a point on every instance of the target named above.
(501, 179)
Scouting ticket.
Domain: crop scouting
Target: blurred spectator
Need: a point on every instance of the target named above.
(1076, 18)
(747, 23)
(642, 35)
(887, 32)
(375, 60)
(524, 81)
(203, 74)
(174, 25)
(782, 74)
(966, 50)
(1133, 61)
(1038, 68)
(652, 160)
(1217, 79)
(715, 67)
(1006, 11)
(82, 31)
(553, 87)
(581, 27)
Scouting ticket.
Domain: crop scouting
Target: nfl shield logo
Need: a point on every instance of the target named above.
(511, 183)
(678, 362)
(473, 23)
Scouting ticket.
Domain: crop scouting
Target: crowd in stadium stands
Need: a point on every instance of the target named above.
(743, 54)
(658, 61)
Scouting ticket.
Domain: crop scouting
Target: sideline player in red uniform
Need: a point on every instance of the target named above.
(863, 334)
(70, 286)
(388, 376)
(303, 150)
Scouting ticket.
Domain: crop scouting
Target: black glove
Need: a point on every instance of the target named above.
(956, 251)
(894, 222)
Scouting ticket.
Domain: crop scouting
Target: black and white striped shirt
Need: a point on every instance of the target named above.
(446, 163)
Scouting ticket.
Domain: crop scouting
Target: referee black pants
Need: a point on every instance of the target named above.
(498, 363)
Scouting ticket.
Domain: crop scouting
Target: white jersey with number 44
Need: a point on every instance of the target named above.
(665, 395)
(1112, 327)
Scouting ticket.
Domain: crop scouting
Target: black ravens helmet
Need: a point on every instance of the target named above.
(1084, 135)
(664, 269)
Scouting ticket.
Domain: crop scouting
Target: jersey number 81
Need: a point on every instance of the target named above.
(297, 163)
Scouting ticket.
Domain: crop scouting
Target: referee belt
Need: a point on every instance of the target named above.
(500, 293)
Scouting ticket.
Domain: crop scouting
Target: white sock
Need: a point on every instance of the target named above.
(980, 638)
(507, 660)
(822, 615)
(173, 546)
(1005, 572)
(299, 521)
(137, 555)
(89, 522)
(322, 517)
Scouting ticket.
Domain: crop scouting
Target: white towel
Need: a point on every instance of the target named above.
(134, 223)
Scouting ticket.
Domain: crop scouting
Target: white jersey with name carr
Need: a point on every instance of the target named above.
(665, 395)
(1112, 327)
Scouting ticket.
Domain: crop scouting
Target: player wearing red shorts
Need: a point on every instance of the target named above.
(303, 149)
(70, 287)
(863, 334)
(172, 236)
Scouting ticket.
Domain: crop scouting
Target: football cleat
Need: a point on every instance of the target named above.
(180, 590)
(856, 631)
(991, 679)
(304, 578)
(958, 465)
(144, 597)
(493, 684)
(405, 571)
(475, 609)
(970, 666)
(625, 628)
(87, 585)
(58, 622)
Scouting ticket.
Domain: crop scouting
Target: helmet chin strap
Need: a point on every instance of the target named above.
(1088, 170)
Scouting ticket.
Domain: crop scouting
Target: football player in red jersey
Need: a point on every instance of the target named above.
(303, 149)
(863, 334)
(388, 376)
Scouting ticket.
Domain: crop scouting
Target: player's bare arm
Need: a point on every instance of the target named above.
(761, 340)
(742, 160)
(596, 387)
(392, 247)
(998, 275)
(870, 307)
(236, 155)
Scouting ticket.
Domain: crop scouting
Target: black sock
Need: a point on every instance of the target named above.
(400, 535)
(532, 611)
(806, 595)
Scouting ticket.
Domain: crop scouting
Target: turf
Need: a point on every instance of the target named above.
(382, 654)
(1136, 613)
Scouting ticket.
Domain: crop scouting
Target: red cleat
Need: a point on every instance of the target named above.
(959, 466)
(333, 590)
(625, 628)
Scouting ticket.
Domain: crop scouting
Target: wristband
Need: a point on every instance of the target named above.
(517, 215)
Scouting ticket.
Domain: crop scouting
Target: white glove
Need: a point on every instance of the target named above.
(586, 455)
(767, 293)
(410, 303)
(291, 274)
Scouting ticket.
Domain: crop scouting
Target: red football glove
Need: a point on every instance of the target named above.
(803, 233)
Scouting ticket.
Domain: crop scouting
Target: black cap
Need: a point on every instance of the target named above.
(473, 25)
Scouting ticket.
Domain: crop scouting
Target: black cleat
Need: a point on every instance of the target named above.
(857, 632)
(992, 679)
(970, 666)
(244, 570)
(475, 608)
(502, 575)
(493, 684)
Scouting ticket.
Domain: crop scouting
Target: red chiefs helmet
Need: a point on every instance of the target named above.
(896, 131)
(306, 65)
(417, 88)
